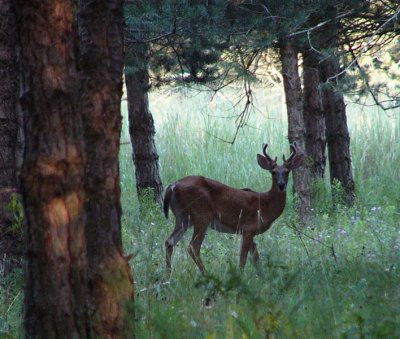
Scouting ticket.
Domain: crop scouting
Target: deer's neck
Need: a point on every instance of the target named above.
(274, 202)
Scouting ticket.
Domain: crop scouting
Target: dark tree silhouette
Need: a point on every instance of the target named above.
(337, 133)
(294, 103)
(101, 61)
(53, 172)
(314, 118)
(141, 123)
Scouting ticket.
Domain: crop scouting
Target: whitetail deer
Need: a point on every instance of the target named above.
(203, 202)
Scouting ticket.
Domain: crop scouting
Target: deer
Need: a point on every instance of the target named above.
(206, 203)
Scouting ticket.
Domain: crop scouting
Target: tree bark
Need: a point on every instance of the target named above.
(294, 104)
(101, 60)
(53, 172)
(10, 239)
(337, 133)
(313, 114)
(141, 124)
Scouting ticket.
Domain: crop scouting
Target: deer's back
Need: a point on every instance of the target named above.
(210, 199)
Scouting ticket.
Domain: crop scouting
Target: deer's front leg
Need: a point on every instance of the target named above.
(254, 251)
(247, 244)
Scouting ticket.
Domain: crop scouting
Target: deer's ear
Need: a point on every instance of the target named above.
(265, 163)
(296, 162)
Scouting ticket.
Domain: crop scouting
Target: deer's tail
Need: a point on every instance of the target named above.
(167, 200)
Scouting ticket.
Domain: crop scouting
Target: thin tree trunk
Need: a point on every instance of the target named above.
(101, 61)
(313, 114)
(10, 239)
(294, 103)
(337, 133)
(141, 124)
(53, 172)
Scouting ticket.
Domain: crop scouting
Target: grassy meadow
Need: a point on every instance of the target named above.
(337, 277)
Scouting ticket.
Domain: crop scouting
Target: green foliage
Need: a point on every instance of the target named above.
(11, 297)
(16, 209)
(218, 42)
(378, 73)
(337, 193)
(186, 39)
(11, 285)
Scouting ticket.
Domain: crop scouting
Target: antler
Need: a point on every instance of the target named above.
(266, 155)
(293, 148)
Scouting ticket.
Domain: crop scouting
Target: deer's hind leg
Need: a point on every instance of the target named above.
(200, 225)
(181, 226)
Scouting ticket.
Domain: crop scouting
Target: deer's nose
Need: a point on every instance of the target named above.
(282, 185)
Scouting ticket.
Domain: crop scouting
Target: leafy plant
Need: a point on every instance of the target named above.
(16, 210)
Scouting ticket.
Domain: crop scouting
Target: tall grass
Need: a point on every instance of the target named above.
(337, 277)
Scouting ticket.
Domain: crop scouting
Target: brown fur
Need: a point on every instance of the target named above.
(202, 202)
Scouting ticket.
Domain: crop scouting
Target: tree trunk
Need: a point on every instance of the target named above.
(53, 172)
(10, 238)
(101, 61)
(313, 114)
(141, 124)
(293, 94)
(337, 133)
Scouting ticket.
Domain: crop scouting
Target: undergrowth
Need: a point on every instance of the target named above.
(337, 277)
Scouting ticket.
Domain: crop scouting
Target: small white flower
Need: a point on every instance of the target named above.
(234, 314)
(193, 323)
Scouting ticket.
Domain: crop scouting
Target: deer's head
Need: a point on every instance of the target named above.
(280, 173)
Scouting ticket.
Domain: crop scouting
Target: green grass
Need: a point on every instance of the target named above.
(11, 297)
(338, 277)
